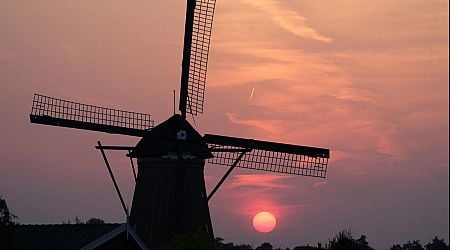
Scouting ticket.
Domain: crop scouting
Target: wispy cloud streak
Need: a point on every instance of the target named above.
(260, 180)
(288, 20)
(269, 126)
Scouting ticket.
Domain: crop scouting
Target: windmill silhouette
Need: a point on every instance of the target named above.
(170, 195)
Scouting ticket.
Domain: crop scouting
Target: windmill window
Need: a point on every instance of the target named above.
(181, 135)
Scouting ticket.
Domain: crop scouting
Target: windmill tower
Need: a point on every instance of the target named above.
(170, 195)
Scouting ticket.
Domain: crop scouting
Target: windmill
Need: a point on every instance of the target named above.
(170, 195)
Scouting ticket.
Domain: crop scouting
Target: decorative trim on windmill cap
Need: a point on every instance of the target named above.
(173, 135)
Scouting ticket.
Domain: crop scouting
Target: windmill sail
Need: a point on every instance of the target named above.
(53, 111)
(197, 37)
(268, 156)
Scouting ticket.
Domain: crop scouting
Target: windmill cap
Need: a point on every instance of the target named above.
(175, 135)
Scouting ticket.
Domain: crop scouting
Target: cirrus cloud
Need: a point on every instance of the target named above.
(288, 20)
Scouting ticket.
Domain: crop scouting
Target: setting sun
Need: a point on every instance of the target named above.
(264, 222)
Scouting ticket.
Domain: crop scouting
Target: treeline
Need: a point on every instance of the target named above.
(88, 221)
(342, 241)
(200, 240)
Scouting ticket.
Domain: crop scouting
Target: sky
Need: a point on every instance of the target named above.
(366, 79)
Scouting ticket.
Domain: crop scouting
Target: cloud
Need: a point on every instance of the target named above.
(270, 126)
(308, 73)
(288, 20)
(252, 193)
(355, 95)
(270, 181)
(319, 184)
(278, 207)
(376, 99)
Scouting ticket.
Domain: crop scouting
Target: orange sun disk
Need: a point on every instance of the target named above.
(264, 222)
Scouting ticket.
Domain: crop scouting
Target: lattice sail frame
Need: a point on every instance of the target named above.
(201, 38)
(54, 111)
(269, 156)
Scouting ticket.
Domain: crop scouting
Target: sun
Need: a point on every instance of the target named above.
(264, 222)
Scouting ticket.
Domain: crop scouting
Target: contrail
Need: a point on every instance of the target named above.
(251, 95)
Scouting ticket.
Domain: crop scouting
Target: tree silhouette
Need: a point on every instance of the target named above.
(342, 241)
(92, 221)
(78, 220)
(231, 246)
(362, 244)
(304, 248)
(436, 244)
(345, 241)
(414, 245)
(6, 217)
(7, 222)
(265, 246)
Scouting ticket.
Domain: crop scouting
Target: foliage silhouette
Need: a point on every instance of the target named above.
(92, 221)
(342, 241)
(7, 222)
(345, 241)
(437, 244)
(362, 243)
(231, 246)
(414, 245)
(265, 246)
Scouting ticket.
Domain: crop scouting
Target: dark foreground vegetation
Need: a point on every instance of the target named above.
(342, 241)
(201, 241)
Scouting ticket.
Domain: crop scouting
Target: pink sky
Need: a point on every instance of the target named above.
(367, 79)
